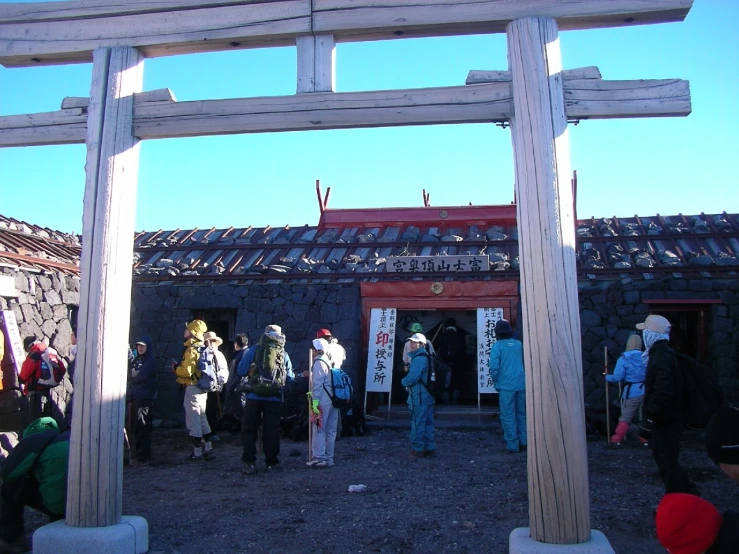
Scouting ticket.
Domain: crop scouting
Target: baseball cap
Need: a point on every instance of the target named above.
(320, 344)
(417, 337)
(655, 323)
(323, 333)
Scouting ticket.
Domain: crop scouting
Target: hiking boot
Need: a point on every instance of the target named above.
(322, 464)
(194, 457)
(429, 454)
(275, 467)
(414, 455)
(249, 469)
(209, 455)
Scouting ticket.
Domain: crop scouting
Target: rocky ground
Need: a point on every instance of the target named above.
(468, 499)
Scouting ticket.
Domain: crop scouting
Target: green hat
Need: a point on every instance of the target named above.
(415, 328)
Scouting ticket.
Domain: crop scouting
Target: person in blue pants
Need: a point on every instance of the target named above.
(420, 399)
(506, 370)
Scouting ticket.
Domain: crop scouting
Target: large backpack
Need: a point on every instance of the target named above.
(341, 388)
(434, 383)
(209, 380)
(49, 371)
(701, 396)
(267, 374)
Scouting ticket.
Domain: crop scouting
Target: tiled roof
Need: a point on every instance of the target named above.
(37, 248)
(341, 251)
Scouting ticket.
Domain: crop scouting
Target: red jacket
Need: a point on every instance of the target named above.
(31, 368)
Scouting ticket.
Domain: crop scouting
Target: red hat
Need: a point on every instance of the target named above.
(687, 524)
(323, 333)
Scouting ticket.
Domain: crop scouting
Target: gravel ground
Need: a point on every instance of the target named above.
(467, 499)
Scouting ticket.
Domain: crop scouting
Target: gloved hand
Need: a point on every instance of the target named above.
(316, 414)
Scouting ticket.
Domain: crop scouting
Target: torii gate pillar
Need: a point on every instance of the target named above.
(95, 484)
(559, 510)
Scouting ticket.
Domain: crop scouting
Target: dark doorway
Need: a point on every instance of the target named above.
(222, 323)
(689, 334)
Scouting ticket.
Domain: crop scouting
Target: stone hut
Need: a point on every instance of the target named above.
(431, 264)
(39, 296)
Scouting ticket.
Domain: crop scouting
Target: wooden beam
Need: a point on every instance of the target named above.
(196, 27)
(157, 95)
(155, 117)
(316, 63)
(475, 77)
(559, 506)
(68, 32)
(94, 491)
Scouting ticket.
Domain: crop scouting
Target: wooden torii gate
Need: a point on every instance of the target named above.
(535, 95)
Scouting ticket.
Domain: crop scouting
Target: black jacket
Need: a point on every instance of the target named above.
(663, 387)
(727, 541)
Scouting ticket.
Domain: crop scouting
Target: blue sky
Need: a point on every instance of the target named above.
(644, 166)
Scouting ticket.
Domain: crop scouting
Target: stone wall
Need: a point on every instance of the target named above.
(43, 310)
(161, 312)
(610, 310)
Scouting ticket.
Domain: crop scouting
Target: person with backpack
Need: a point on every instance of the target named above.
(141, 392)
(324, 415)
(42, 370)
(34, 474)
(663, 406)
(451, 349)
(264, 371)
(507, 373)
(213, 406)
(631, 370)
(335, 351)
(420, 398)
(188, 375)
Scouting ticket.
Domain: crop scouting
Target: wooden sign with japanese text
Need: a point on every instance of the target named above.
(437, 264)
(381, 349)
(486, 318)
(13, 336)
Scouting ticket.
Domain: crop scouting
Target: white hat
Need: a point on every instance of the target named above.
(320, 344)
(211, 336)
(418, 337)
(655, 323)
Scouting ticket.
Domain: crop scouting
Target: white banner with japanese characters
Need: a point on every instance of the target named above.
(380, 350)
(486, 318)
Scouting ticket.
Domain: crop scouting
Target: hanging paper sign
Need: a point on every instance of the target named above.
(380, 350)
(437, 264)
(486, 318)
(10, 327)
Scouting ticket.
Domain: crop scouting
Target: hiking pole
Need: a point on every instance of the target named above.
(608, 399)
(310, 405)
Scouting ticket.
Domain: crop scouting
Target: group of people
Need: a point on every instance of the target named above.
(254, 388)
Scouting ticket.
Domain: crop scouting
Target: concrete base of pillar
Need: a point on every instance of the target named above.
(130, 536)
(520, 542)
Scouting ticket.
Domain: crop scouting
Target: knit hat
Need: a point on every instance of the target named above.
(415, 328)
(687, 524)
(320, 345)
(503, 326)
(655, 323)
(634, 343)
(722, 437)
(276, 329)
(197, 328)
(323, 333)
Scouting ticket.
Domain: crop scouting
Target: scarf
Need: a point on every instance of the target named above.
(650, 337)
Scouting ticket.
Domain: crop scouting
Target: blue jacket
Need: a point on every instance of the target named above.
(416, 379)
(142, 372)
(506, 365)
(630, 368)
(245, 364)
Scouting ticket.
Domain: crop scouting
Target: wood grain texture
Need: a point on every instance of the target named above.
(111, 172)
(68, 32)
(316, 63)
(157, 116)
(477, 76)
(559, 510)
